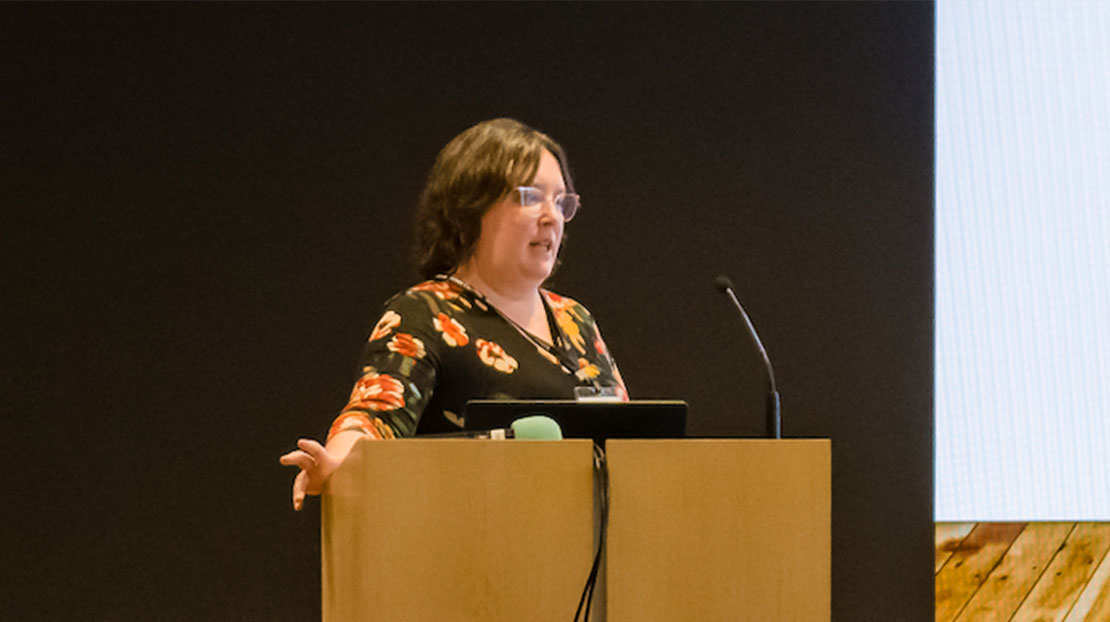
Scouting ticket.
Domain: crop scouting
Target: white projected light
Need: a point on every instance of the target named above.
(1023, 260)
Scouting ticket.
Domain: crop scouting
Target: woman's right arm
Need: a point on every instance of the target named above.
(398, 374)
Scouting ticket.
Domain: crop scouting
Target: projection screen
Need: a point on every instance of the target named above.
(1022, 260)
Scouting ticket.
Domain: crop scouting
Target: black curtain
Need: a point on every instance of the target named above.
(205, 205)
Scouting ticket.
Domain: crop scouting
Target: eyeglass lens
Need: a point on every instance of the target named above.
(567, 204)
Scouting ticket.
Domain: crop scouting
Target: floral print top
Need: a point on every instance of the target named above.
(440, 343)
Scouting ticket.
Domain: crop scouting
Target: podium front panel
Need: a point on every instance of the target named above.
(716, 530)
(458, 530)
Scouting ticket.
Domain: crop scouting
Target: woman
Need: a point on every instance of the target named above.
(489, 227)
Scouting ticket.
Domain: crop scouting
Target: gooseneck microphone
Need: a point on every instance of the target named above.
(774, 412)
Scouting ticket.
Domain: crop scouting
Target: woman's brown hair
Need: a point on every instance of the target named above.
(472, 172)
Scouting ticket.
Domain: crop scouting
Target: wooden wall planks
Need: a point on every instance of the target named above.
(1015, 575)
(1094, 602)
(949, 536)
(1019, 572)
(1068, 574)
(970, 564)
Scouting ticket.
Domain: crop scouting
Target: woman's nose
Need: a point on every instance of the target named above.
(549, 208)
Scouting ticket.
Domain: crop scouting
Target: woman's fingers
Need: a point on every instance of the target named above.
(312, 448)
(308, 464)
(316, 465)
(298, 491)
(324, 463)
(298, 458)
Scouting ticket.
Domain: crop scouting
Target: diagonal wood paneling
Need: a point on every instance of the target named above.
(971, 561)
(949, 537)
(1094, 603)
(1018, 572)
(1067, 575)
(1015, 575)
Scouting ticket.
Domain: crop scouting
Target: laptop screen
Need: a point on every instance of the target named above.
(586, 419)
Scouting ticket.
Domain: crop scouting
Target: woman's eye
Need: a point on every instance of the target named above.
(531, 196)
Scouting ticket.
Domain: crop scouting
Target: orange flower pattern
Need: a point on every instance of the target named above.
(587, 369)
(389, 321)
(439, 344)
(568, 316)
(495, 356)
(444, 290)
(599, 345)
(453, 333)
(406, 345)
(375, 391)
(373, 427)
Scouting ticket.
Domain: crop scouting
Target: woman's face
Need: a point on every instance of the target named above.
(518, 245)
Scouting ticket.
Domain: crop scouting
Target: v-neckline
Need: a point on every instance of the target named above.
(557, 345)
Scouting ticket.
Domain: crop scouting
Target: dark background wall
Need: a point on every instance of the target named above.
(204, 206)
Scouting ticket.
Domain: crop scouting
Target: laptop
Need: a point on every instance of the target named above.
(585, 419)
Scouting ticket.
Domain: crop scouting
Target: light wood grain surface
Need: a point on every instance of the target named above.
(720, 530)
(421, 530)
(1023, 572)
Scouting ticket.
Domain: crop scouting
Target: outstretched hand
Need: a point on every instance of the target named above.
(316, 464)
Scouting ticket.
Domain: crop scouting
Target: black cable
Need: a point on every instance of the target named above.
(601, 473)
(603, 476)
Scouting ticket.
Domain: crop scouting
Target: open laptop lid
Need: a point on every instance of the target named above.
(586, 419)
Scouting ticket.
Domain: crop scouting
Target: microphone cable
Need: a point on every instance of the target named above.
(601, 480)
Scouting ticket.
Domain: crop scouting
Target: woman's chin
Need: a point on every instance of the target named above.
(540, 273)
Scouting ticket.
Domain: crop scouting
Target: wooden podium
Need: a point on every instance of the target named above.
(468, 530)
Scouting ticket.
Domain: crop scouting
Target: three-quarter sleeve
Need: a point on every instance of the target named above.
(398, 371)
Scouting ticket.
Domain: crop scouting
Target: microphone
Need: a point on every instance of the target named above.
(531, 428)
(774, 410)
(536, 428)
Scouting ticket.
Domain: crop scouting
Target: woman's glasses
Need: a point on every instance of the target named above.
(566, 203)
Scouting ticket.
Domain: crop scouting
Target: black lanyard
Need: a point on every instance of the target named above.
(558, 349)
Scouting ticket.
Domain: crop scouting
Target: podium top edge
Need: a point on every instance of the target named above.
(719, 441)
